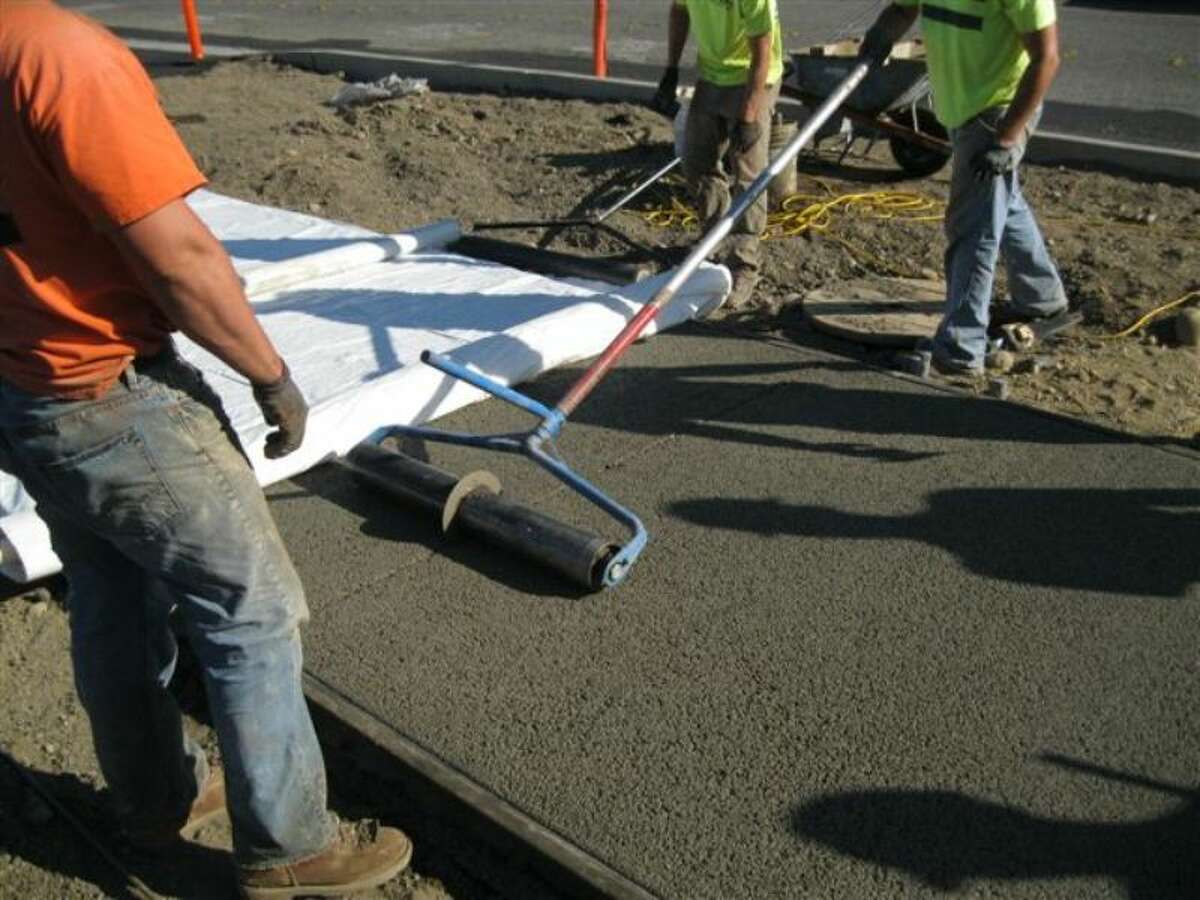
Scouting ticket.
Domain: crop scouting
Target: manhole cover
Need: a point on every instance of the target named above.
(889, 312)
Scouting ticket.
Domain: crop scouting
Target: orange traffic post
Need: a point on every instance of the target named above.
(600, 39)
(193, 29)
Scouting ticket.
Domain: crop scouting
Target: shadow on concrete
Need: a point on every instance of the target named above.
(730, 407)
(1135, 542)
(947, 840)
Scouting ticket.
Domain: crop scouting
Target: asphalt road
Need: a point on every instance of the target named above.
(886, 640)
(1131, 71)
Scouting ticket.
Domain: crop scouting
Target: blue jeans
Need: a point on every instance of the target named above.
(153, 508)
(985, 219)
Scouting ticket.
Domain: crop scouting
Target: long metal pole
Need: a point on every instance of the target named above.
(632, 331)
(637, 190)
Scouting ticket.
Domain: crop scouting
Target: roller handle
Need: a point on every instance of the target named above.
(633, 330)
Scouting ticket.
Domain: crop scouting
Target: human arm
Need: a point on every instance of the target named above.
(190, 277)
(1002, 157)
(678, 26)
(756, 83)
(893, 23)
(192, 281)
(1042, 47)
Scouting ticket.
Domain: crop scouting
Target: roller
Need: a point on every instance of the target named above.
(473, 503)
(537, 444)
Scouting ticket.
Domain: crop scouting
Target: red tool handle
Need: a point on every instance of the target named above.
(633, 330)
(600, 39)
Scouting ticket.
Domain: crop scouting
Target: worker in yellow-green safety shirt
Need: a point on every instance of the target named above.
(991, 64)
(740, 60)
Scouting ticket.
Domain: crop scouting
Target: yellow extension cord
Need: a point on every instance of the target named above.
(1152, 315)
(816, 213)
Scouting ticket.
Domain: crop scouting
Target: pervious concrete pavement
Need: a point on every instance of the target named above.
(886, 641)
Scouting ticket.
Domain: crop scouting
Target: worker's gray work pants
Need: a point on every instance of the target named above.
(712, 120)
(985, 219)
(152, 507)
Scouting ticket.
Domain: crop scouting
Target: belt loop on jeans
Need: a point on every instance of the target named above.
(129, 376)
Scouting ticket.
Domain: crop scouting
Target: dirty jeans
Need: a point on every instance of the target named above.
(985, 219)
(152, 508)
(712, 117)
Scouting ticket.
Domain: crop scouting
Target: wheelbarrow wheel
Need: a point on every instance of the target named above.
(914, 159)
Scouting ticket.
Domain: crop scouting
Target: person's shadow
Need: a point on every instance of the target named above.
(947, 839)
(188, 871)
(1112, 541)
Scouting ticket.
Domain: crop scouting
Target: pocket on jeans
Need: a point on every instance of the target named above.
(114, 486)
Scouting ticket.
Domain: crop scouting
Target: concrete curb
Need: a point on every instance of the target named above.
(1047, 148)
(1052, 148)
(573, 870)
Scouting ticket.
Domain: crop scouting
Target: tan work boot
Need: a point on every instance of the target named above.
(741, 295)
(209, 804)
(364, 855)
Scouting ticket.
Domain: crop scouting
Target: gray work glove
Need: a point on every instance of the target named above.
(283, 407)
(664, 100)
(746, 136)
(876, 47)
(995, 162)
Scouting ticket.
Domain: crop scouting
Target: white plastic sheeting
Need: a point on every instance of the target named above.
(351, 310)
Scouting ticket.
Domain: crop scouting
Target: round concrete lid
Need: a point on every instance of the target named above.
(888, 312)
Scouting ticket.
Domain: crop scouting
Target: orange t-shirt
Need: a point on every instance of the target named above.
(85, 150)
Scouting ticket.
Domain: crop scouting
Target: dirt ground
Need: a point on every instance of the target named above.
(1124, 246)
(264, 134)
(46, 742)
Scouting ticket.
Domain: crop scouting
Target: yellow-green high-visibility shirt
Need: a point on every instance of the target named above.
(723, 29)
(976, 58)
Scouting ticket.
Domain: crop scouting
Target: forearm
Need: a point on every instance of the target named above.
(204, 299)
(756, 84)
(1031, 92)
(191, 279)
(677, 34)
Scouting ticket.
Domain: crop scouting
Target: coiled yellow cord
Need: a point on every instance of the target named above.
(1152, 315)
(818, 214)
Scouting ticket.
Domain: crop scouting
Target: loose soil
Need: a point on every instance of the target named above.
(1124, 246)
(47, 750)
(264, 133)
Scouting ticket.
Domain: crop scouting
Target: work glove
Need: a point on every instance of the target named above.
(746, 136)
(876, 47)
(995, 162)
(284, 408)
(664, 100)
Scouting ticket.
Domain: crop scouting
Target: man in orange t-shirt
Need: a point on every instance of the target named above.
(151, 504)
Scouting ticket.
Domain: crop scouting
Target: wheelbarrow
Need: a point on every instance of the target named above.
(893, 102)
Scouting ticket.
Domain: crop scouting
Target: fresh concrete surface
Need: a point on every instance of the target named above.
(1131, 71)
(886, 640)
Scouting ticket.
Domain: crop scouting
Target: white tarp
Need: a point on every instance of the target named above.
(351, 310)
